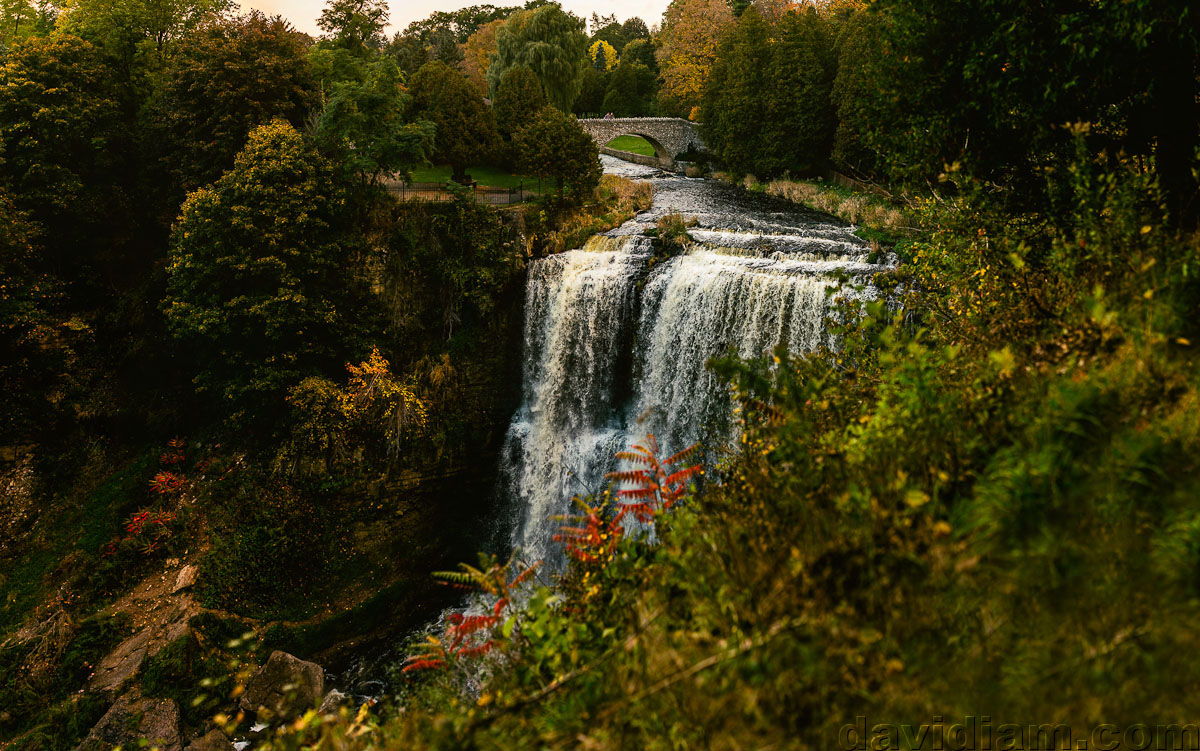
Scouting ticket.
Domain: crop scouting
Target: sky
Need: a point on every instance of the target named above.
(303, 13)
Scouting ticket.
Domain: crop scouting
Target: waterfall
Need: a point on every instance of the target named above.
(616, 345)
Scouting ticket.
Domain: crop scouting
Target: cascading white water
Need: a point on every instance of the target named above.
(616, 347)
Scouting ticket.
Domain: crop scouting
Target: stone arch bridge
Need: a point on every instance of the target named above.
(670, 136)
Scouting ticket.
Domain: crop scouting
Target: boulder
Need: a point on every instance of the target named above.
(186, 577)
(285, 687)
(134, 718)
(213, 740)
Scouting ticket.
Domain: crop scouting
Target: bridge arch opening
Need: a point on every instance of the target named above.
(639, 143)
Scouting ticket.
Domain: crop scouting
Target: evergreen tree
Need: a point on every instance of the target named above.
(519, 99)
(798, 131)
(734, 107)
(466, 132)
(551, 43)
(590, 101)
(631, 91)
(556, 146)
(856, 94)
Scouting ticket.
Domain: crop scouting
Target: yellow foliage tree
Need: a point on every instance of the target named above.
(477, 55)
(603, 55)
(688, 46)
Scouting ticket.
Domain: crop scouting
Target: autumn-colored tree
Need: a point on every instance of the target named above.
(555, 145)
(550, 42)
(224, 81)
(688, 41)
(477, 55)
(258, 284)
(466, 133)
(603, 55)
(356, 24)
(519, 98)
(363, 127)
(774, 11)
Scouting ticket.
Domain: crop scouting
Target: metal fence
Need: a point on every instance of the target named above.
(483, 194)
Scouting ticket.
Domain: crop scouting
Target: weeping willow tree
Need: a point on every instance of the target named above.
(551, 43)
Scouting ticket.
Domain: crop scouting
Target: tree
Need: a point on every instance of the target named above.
(590, 101)
(735, 108)
(983, 96)
(409, 52)
(519, 99)
(60, 142)
(466, 132)
(556, 146)
(690, 32)
(631, 91)
(633, 29)
(551, 43)
(224, 81)
(855, 94)
(37, 358)
(603, 56)
(125, 24)
(20, 19)
(800, 114)
(478, 53)
(363, 128)
(357, 24)
(258, 285)
(641, 51)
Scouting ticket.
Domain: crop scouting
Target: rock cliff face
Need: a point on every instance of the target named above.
(134, 718)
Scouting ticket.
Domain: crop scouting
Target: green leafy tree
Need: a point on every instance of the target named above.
(556, 146)
(466, 133)
(363, 127)
(60, 137)
(123, 25)
(735, 106)
(409, 52)
(258, 283)
(519, 98)
(37, 358)
(356, 24)
(590, 101)
(641, 51)
(631, 91)
(978, 89)
(551, 43)
(800, 113)
(20, 19)
(224, 81)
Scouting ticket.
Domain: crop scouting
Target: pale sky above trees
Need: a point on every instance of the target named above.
(303, 13)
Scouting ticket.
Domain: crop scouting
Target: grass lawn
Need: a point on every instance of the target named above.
(490, 177)
(634, 144)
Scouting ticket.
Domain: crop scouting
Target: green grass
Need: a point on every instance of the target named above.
(489, 177)
(632, 144)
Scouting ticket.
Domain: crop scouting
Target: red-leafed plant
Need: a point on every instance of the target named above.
(656, 484)
(474, 634)
(591, 536)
